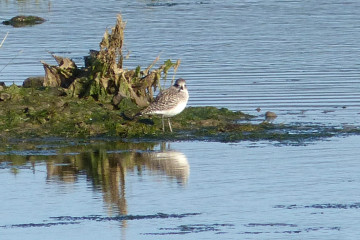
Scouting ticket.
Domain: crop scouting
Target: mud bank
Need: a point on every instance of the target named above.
(45, 112)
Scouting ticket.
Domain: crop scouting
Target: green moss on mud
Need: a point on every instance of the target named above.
(52, 112)
(45, 112)
(22, 21)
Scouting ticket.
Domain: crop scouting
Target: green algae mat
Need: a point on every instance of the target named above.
(44, 112)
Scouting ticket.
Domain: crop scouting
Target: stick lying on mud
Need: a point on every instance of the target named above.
(2, 42)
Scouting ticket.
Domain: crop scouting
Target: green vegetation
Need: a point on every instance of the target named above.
(50, 111)
(27, 113)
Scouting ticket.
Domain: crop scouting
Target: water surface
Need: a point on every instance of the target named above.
(180, 190)
(296, 58)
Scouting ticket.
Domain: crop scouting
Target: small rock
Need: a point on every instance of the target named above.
(33, 82)
(270, 116)
(117, 98)
(4, 96)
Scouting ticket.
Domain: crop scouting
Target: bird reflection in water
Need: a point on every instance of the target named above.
(106, 168)
(170, 163)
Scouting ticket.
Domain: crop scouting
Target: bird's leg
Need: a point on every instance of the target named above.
(163, 126)
(169, 124)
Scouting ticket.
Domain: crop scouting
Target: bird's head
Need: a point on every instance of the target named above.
(180, 84)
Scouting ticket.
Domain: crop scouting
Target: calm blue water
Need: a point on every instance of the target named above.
(296, 58)
(203, 190)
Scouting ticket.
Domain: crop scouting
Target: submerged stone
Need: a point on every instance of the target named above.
(33, 82)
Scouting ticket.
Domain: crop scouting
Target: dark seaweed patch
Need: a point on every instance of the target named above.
(322, 206)
(65, 220)
(270, 225)
(193, 228)
(336, 206)
(100, 218)
(287, 231)
(32, 225)
(172, 4)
